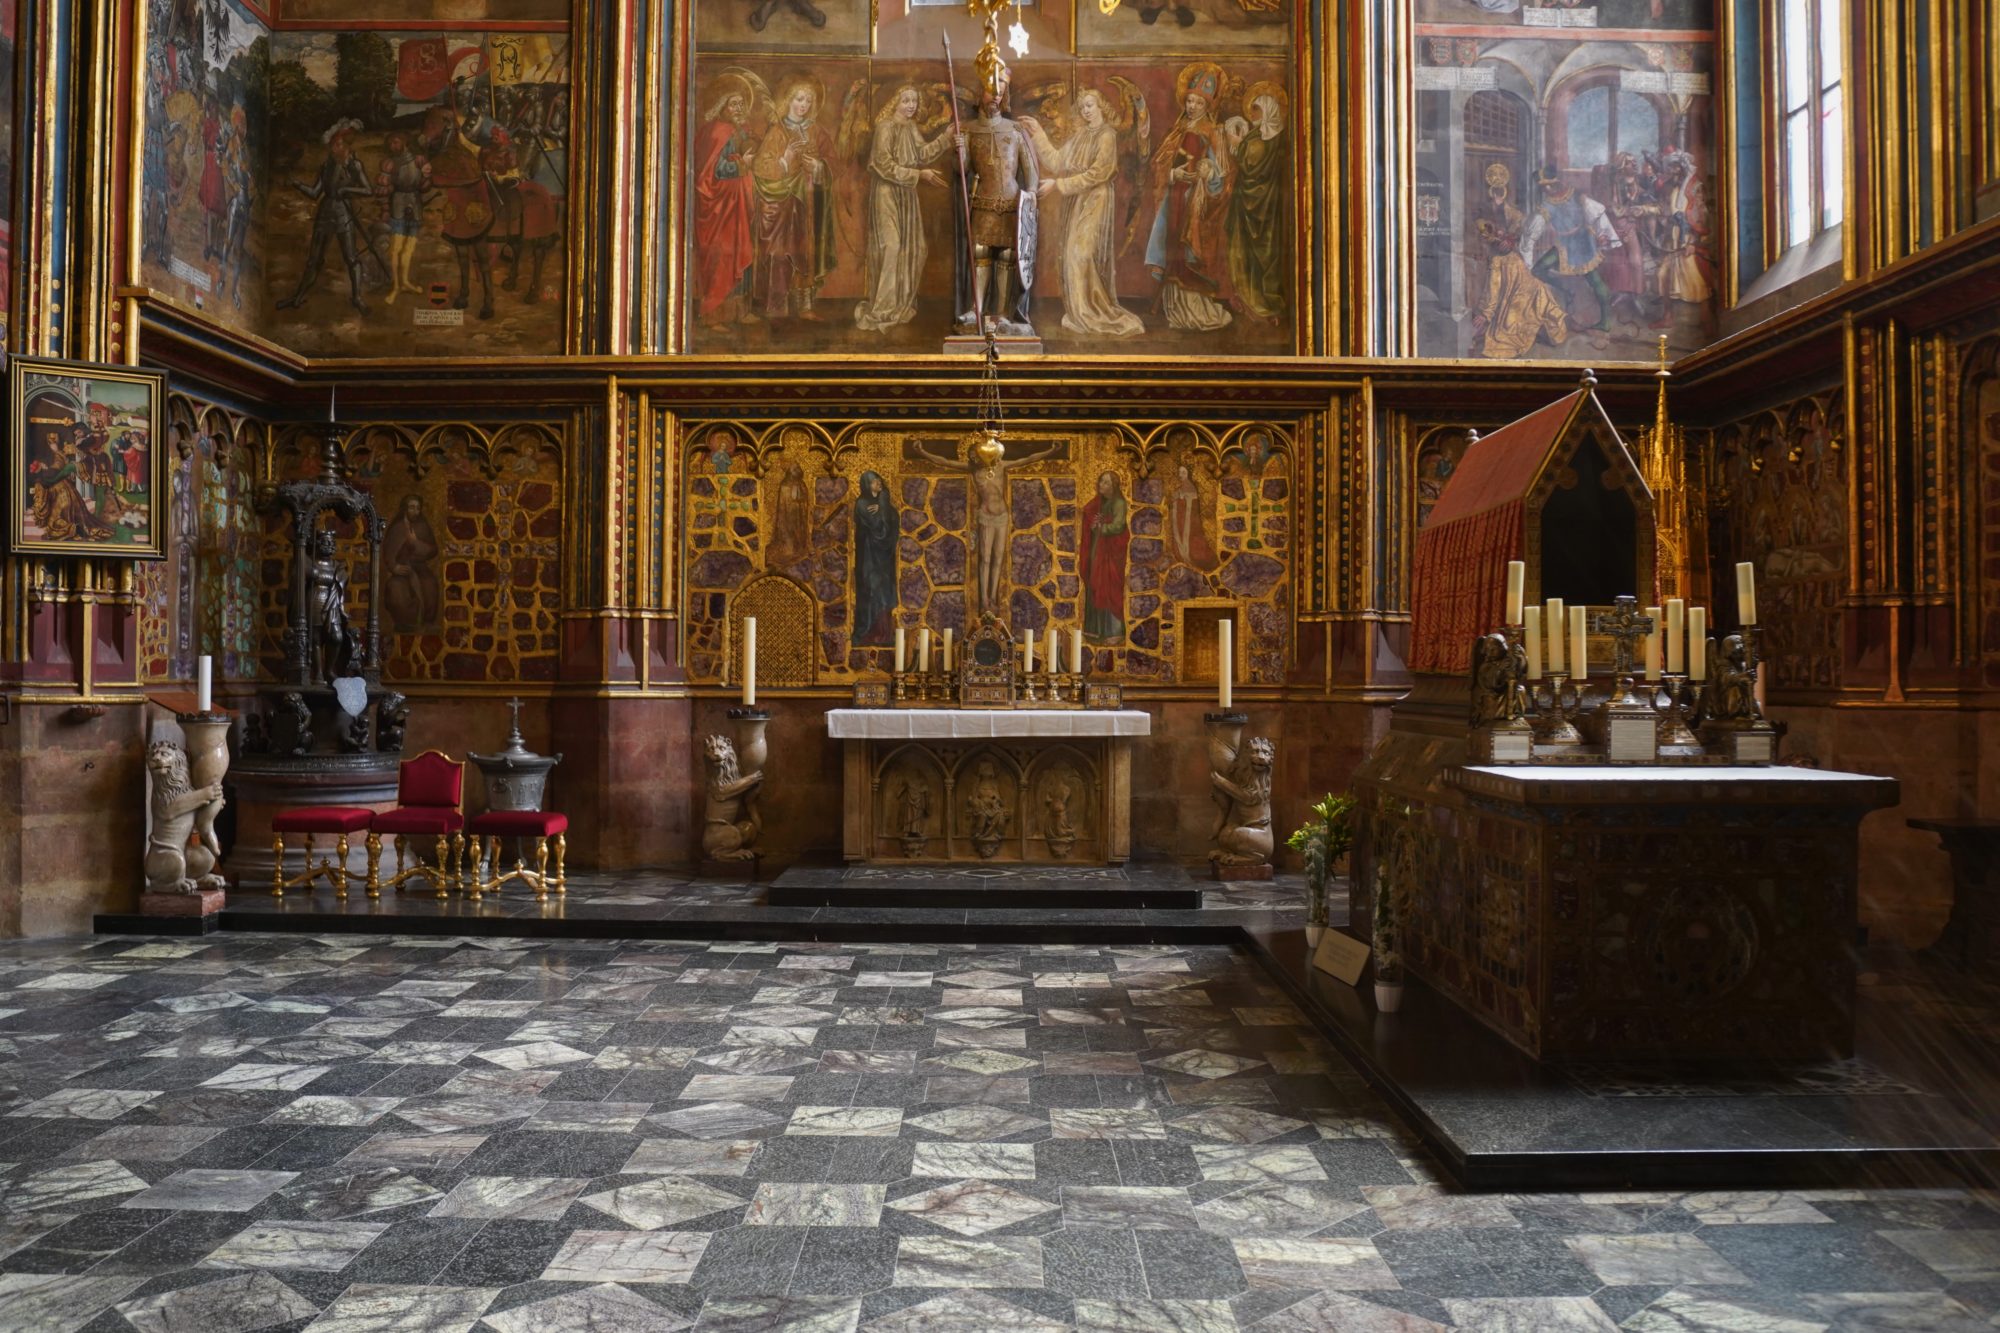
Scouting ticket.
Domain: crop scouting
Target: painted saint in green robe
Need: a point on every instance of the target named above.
(1256, 222)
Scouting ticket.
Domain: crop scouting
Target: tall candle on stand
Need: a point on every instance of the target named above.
(1698, 643)
(204, 688)
(947, 648)
(1676, 634)
(1517, 575)
(1050, 662)
(1653, 644)
(1746, 593)
(749, 661)
(1225, 664)
(1531, 634)
(1579, 645)
(1028, 651)
(924, 650)
(1552, 616)
(900, 658)
(1076, 652)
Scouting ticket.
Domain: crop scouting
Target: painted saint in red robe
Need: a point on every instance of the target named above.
(724, 197)
(1106, 534)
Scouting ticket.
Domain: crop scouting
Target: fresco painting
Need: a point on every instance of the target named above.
(1564, 179)
(1183, 26)
(824, 197)
(418, 193)
(202, 160)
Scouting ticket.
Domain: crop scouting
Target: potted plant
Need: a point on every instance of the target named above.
(1388, 961)
(1322, 842)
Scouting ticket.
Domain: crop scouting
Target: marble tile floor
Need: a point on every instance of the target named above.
(379, 1132)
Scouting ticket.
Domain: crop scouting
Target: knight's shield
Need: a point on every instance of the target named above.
(1024, 238)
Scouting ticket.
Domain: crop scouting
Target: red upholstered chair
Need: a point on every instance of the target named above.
(339, 820)
(544, 826)
(430, 796)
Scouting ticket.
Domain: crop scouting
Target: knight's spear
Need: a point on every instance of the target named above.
(965, 193)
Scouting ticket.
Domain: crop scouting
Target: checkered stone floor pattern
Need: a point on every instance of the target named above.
(386, 1133)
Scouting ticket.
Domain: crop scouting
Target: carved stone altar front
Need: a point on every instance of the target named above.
(1021, 786)
(1643, 912)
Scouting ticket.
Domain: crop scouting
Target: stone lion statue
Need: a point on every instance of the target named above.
(179, 812)
(1243, 795)
(730, 824)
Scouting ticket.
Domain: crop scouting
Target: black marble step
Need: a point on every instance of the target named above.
(1500, 1120)
(1142, 885)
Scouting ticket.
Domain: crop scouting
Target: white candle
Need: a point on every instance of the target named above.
(1676, 634)
(1076, 652)
(749, 661)
(1579, 645)
(332, 397)
(900, 658)
(1531, 635)
(1050, 661)
(924, 650)
(1028, 650)
(1698, 643)
(1517, 574)
(1552, 616)
(204, 687)
(1225, 664)
(1653, 645)
(1746, 593)
(947, 648)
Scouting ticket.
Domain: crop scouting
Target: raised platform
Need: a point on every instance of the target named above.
(1907, 1107)
(1136, 885)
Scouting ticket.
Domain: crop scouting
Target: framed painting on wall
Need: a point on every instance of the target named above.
(85, 459)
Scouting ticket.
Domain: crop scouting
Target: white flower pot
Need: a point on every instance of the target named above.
(1313, 936)
(1388, 996)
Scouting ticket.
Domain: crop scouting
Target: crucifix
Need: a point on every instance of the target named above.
(1625, 626)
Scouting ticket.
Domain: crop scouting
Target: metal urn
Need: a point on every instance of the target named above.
(516, 777)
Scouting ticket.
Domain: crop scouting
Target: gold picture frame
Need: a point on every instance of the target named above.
(86, 459)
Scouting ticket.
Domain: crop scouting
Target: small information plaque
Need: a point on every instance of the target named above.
(1342, 955)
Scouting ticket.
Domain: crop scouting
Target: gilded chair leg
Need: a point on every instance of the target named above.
(306, 871)
(474, 889)
(458, 862)
(439, 876)
(402, 861)
(374, 864)
(277, 865)
(562, 877)
(340, 866)
(541, 869)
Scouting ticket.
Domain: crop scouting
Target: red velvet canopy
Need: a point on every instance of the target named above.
(1458, 582)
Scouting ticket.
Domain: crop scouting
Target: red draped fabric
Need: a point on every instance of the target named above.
(1460, 583)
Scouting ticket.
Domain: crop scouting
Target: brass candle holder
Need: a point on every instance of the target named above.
(1677, 700)
(1555, 712)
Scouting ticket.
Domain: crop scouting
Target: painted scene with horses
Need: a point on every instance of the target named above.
(418, 193)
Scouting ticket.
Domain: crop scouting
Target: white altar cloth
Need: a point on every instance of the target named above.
(983, 723)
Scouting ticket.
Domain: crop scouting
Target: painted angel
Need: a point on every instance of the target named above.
(1103, 132)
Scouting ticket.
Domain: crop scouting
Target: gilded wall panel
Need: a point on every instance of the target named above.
(472, 553)
(1781, 487)
(1118, 532)
(1979, 427)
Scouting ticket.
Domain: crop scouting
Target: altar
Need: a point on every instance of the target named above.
(998, 785)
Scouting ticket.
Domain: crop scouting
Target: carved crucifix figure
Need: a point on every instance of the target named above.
(991, 512)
